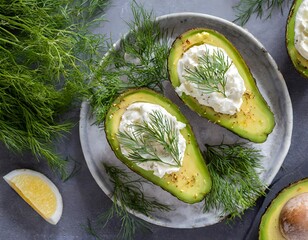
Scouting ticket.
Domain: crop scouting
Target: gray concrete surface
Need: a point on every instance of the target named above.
(82, 197)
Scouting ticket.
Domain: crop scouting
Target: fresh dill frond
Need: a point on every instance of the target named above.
(147, 46)
(236, 184)
(129, 223)
(127, 195)
(147, 137)
(210, 73)
(245, 8)
(90, 229)
(47, 54)
(104, 89)
(75, 168)
(140, 60)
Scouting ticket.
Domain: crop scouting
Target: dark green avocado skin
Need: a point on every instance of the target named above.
(255, 120)
(299, 62)
(192, 182)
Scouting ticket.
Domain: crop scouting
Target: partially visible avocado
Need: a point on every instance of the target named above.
(270, 227)
(191, 183)
(255, 120)
(299, 62)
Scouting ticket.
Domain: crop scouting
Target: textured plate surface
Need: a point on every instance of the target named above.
(273, 88)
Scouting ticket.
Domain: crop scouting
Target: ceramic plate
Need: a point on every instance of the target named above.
(273, 88)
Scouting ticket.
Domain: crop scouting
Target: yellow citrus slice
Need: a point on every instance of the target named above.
(38, 191)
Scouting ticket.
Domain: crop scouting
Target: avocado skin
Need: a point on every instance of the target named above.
(299, 62)
(254, 121)
(191, 183)
(269, 225)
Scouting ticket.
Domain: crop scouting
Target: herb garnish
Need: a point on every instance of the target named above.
(146, 137)
(209, 75)
(133, 66)
(128, 195)
(235, 180)
(140, 61)
(245, 8)
(46, 54)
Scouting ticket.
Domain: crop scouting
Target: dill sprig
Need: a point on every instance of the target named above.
(144, 51)
(209, 75)
(127, 195)
(236, 184)
(47, 53)
(139, 61)
(246, 8)
(146, 137)
(104, 88)
(73, 167)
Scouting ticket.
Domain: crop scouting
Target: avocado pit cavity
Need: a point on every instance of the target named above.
(293, 218)
(139, 113)
(241, 107)
(301, 29)
(234, 88)
(192, 181)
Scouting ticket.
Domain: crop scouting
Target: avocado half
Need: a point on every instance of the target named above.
(299, 62)
(255, 120)
(191, 183)
(269, 227)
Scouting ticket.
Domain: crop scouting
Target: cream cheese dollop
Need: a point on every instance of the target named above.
(235, 86)
(301, 29)
(139, 112)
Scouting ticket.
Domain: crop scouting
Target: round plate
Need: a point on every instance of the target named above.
(273, 88)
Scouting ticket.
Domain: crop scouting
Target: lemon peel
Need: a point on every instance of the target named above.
(38, 191)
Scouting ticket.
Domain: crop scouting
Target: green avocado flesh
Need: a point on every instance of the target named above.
(192, 181)
(269, 227)
(255, 120)
(299, 62)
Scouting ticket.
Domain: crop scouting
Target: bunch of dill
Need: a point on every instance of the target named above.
(46, 55)
(139, 60)
(236, 184)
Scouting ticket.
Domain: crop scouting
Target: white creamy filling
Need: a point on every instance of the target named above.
(301, 29)
(235, 86)
(138, 113)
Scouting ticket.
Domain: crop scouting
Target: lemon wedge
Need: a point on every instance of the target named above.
(38, 191)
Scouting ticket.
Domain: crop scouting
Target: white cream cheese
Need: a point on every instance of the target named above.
(235, 86)
(301, 29)
(138, 113)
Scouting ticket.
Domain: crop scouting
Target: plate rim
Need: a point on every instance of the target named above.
(85, 108)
